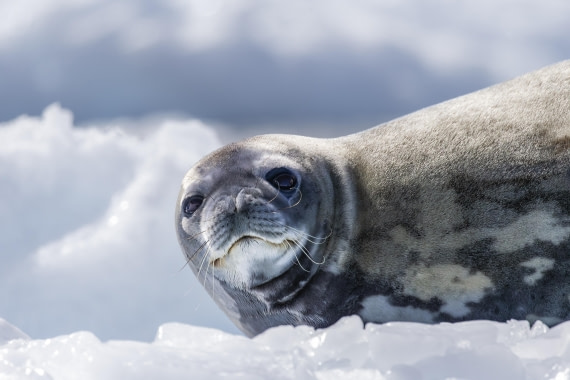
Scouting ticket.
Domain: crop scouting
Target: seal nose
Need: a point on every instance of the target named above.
(225, 205)
(245, 198)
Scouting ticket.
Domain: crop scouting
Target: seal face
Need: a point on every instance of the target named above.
(255, 222)
(458, 211)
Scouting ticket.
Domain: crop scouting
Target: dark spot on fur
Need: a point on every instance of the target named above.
(413, 257)
(561, 144)
(434, 303)
(478, 256)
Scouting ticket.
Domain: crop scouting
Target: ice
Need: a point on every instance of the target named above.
(346, 350)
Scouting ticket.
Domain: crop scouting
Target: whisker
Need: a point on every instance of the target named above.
(306, 252)
(309, 237)
(186, 263)
(194, 236)
(210, 197)
(206, 272)
(274, 198)
(198, 222)
(293, 205)
(189, 259)
(277, 194)
(257, 180)
(213, 282)
(198, 250)
(204, 259)
(297, 258)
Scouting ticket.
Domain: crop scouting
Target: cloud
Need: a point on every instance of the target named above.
(443, 32)
(251, 63)
(87, 215)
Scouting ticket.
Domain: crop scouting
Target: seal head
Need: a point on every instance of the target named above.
(257, 220)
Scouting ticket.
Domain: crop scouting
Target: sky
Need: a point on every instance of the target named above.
(104, 106)
(325, 67)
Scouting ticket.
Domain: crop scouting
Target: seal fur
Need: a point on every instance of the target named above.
(455, 212)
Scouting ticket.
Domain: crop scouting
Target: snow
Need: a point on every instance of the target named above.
(393, 351)
(91, 269)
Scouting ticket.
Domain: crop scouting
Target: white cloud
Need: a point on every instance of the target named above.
(87, 218)
(204, 24)
(26, 16)
(501, 36)
(107, 19)
(326, 62)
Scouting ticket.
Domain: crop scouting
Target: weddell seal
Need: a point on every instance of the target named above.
(458, 211)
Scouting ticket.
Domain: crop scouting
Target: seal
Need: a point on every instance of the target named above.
(455, 212)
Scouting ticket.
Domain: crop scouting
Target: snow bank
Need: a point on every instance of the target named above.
(87, 221)
(394, 351)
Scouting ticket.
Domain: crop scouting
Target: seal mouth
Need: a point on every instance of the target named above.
(248, 240)
(274, 267)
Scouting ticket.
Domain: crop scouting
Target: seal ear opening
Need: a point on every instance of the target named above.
(282, 179)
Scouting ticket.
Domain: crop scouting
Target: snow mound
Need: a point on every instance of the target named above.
(393, 351)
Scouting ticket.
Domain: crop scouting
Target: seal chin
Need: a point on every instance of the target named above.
(283, 288)
(274, 271)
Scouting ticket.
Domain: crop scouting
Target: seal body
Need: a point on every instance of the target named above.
(455, 212)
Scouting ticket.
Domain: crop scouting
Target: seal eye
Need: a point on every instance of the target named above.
(192, 204)
(285, 182)
(282, 179)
